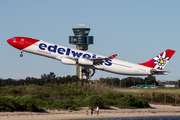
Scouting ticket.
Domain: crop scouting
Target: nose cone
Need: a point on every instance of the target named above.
(14, 43)
(21, 42)
(10, 41)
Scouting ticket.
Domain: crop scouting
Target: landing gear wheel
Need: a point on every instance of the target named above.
(21, 55)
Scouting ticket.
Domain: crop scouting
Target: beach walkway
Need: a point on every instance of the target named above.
(156, 110)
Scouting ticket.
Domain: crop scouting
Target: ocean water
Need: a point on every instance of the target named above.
(139, 118)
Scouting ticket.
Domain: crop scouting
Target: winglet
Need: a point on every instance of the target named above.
(112, 56)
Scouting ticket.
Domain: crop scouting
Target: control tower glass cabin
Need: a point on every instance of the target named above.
(81, 38)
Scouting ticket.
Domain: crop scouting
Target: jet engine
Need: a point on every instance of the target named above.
(68, 61)
(85, 61)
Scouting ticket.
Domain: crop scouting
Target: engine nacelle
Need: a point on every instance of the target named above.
(85, 61)
(68, 61)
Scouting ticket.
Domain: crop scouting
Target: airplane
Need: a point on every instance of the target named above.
(93, 61)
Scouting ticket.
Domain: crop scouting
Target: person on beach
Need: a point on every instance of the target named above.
(97, 110)
(86, 113)
(92, 111)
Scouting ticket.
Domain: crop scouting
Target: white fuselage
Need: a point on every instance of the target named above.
(68, 54)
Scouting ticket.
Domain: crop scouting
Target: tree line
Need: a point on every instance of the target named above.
(129, 81)
(45, 78)
(52, 79)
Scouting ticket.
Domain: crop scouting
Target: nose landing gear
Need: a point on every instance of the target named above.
(21, 53)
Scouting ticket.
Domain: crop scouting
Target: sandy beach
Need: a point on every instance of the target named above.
(156, 110)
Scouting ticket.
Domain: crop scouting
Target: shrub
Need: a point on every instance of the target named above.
(58, 105)
(6, 104)
(110, 98)
(40, 102)
(129, 101)
(55, 105)
(144, 103)
(15, 91)
(111, 95)
(67, 104)
(42, 94)
(25, 103)
(94, 100)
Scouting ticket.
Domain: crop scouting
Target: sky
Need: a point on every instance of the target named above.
(136, 30)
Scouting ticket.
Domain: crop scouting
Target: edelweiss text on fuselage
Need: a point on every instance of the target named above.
(68, 51)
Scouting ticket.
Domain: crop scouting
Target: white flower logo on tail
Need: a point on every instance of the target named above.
(161, 61)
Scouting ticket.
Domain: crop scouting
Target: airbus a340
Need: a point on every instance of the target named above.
(94, 61)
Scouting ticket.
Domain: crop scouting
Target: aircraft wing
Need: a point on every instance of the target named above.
(91, 61)
(158, 72)
(97, 61)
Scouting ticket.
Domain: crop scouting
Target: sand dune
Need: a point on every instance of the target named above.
(156, 110)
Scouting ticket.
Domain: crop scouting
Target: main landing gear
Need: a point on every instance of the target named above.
(87, 72)
(21, 53)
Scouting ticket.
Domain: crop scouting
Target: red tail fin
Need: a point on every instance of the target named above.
(160, 61)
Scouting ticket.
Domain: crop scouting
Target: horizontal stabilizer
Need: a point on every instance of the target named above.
(158, 72)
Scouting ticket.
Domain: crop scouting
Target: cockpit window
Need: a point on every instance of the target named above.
(13, 38)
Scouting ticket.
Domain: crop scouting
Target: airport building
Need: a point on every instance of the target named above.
(81, 40)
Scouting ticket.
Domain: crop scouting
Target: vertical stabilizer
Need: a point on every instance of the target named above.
(160, 61)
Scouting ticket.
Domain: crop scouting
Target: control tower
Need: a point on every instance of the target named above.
(81, 40)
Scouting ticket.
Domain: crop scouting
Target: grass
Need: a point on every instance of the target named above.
(147, 91)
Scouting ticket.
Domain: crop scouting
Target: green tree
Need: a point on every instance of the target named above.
(151, 80)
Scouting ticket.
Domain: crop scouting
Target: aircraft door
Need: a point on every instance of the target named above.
(21, 42)
(136, 70)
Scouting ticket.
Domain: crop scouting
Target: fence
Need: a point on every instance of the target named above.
(162, 98)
